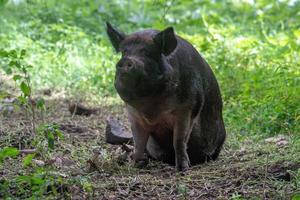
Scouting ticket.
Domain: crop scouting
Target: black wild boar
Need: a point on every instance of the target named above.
(172, 97)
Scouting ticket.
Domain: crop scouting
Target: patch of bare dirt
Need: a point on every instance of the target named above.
(85, 156)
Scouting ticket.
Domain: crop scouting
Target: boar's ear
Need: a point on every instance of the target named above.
(166, 40)
(115, 36)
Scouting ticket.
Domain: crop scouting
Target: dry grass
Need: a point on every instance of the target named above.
(89, 167)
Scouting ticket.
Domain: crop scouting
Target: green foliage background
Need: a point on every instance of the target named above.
(252, 46)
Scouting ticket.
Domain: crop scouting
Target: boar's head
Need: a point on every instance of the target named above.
(143, 69)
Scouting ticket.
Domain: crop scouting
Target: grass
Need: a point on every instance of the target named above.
(254, 53)
(253, 48)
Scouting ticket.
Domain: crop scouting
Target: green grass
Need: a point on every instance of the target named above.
(253, 48)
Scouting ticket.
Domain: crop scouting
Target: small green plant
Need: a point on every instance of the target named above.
(296, 197)
(86, 184)
(236, 196)
(20, 71)
(33, 185)
(28, 159)
(183, 190)
(8, 152)
(51, 133)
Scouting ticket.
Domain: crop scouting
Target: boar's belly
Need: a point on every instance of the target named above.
(160, 143)
(162, 131)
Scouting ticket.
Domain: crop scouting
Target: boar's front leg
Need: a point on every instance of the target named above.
(140, 138)
(182, 131)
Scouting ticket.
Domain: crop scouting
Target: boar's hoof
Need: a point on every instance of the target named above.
(141, 163)
(182, 165)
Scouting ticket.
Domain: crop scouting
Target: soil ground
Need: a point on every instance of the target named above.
(91, 168)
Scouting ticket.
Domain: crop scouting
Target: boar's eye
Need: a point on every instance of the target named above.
(124, 51)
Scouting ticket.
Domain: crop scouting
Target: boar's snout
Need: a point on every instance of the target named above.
(125, 65)
(129, 65)
(129, 72)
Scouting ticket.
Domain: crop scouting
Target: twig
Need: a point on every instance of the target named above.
(27, 151)
(31, 103)
(265, 178)
(33, 120)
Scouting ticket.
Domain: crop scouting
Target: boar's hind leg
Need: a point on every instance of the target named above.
(220, 138)
(204, 144)
(196, 147)
(208, 136)
(212, 134)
